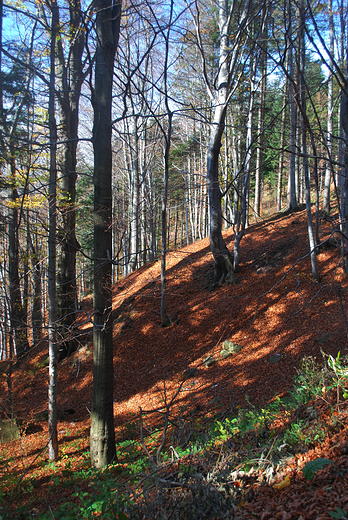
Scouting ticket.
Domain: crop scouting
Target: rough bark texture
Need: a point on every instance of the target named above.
(69, 81)
(103, 449)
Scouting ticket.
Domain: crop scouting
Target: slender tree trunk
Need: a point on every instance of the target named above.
(344, 170)
(134, 195)
(52, 291)
(242, 217)
(281, 156)
(167, 143)
(103, 450)
(328, 171)
(261, 116)
(292, 171)
(36, 312)
(302, 102)
(17, 315)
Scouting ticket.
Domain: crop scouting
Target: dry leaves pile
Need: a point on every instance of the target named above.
(275, 312)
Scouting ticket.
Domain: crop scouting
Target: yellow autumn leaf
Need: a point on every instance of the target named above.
(283, 483)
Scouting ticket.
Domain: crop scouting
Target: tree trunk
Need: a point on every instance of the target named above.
(292, 173)
(69, 80)
(36, 312)
(17, 316)
(302, 102)
(262, 97)
(223, 270)
(52, 292)
(281, 156)
(167, 143)
(344, 172)
(328, 170)
(242, 216)
(134, 194)
(103, 449)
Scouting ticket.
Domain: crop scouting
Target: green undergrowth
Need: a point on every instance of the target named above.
(253, 440)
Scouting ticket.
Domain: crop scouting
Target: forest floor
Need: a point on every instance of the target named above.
(276, 313)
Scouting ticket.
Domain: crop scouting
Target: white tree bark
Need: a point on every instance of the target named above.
(329, 169)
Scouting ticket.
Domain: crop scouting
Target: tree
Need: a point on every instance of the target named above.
(292, 199)
(220, 98)
(304, 124)
(103, 451)
(69, 79)
(52, 255)
(329, 169)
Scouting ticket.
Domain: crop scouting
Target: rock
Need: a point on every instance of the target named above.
(9, 430)
(225, 353)
(190, 372)
(209, 361)
(231, 347)
(275, 358)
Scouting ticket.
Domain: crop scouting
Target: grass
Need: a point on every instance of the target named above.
(222, 450)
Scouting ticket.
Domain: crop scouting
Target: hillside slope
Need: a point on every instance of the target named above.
(275, 312)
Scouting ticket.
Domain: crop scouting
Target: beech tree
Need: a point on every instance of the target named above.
(103, 450)
(220, 93)
(52, 254)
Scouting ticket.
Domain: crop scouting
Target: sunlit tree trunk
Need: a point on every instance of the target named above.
(52, 291)
(134, 194)
(261, 116)
(328, 171)
(167, 144)
(242, 217)
(223, 270)
(281, 154)
(292, 199)
(302, 103)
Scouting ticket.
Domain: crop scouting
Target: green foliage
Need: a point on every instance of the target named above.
(340, 369)
(339, 513)
(309, 381)
(84, 213)
(313, 466)
(97, 494)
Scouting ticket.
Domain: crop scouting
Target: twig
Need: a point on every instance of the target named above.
(142, 434)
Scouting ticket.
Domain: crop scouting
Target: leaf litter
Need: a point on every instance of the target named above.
(275, 311)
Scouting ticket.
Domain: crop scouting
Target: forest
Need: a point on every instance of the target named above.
(132, 132)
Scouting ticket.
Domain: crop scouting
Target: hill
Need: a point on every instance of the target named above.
(276, 315)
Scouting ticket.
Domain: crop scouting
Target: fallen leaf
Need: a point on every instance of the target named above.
(283, 483)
